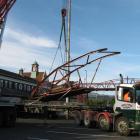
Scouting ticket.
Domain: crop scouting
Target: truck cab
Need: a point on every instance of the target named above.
(127, 108)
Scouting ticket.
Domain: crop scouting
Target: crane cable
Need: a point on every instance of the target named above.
(63, 28)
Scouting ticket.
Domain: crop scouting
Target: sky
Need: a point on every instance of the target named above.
(33, 28)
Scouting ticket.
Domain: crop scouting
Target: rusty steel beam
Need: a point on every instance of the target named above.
(109, 85)
(83, 88)
(58, 82)
(66, 64)
(111, 54)
(5, 6)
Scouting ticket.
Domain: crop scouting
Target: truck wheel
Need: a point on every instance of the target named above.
(77, 118)
(87, 122)
(104, 123)
(1, 118)
(122, 126)
(78, 122)
(10, 118)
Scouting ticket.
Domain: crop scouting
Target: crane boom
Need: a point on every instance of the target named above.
(5, 6)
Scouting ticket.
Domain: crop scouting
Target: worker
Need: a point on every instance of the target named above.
(128, 96)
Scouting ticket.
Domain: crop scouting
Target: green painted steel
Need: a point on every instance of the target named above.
(133, 117)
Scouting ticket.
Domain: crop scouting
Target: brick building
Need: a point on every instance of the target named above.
(35, 73)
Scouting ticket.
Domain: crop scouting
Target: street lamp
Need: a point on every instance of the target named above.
(86, 78)
(86, 82)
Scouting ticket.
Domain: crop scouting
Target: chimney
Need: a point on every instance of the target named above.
(121, 79)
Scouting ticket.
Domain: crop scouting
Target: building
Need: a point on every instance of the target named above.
(35, 73)
(15, 85)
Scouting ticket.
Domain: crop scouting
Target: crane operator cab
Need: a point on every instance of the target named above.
(127, 108)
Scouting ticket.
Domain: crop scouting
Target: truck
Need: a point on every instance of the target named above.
(123, 117)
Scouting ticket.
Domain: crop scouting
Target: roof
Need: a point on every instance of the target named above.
(39, 77)
(127, 85)
(17, 76)
(28, 74)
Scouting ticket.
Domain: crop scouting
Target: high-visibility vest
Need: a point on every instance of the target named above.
(126, 97)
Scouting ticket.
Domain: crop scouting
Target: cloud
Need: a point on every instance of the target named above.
(14, 57)
(20, 49)
(30, 40)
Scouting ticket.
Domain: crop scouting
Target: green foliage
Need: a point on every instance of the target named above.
(99, 102)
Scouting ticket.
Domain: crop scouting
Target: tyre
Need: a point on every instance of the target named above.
(77, 118)
(9, 118)
(104, 124)
(122, 126)
(1, 118)
(87, 122)
(78, 122)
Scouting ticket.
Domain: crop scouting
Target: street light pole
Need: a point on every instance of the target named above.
(86, 77)
(86, 82)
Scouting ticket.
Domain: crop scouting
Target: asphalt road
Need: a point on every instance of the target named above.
(56, 130)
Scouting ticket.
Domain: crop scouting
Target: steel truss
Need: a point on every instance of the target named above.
(109, 85)
(59, 85)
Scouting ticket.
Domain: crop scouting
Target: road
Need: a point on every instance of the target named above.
(31, 129)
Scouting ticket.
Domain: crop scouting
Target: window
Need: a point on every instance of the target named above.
(16, 86)
(20, 87)
(28, 88)
(1, 83)
(125, 94)
(6, 84)
(10, 84)
(120, 95)
(137, 92)
(25, 87)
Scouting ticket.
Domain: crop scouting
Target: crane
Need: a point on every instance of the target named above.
(5, 6)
